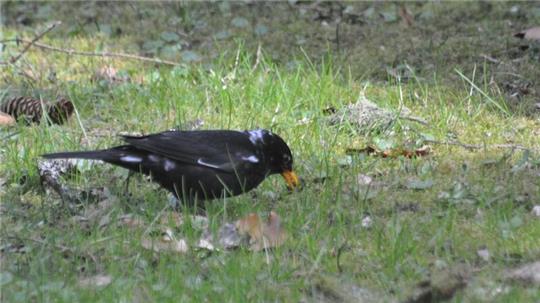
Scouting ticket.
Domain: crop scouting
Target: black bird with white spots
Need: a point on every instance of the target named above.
(202, 164)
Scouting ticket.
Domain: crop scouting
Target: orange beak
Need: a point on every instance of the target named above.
(291, 178)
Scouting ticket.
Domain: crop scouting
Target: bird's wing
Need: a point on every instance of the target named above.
(220, 150)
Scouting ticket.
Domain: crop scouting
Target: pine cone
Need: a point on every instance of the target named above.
(31, 109)
(60, 111)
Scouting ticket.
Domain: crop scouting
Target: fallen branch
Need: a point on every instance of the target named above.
(478, 146)
(415, 119)
(91, 54)
(33, 41)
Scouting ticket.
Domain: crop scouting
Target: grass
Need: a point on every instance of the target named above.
(399, 250)
(479, 199)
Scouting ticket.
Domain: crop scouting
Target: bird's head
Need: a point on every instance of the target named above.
(277, 154)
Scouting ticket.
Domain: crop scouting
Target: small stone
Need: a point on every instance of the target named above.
(364, 180)
(484, 254)
(536, 211)
(367, 222)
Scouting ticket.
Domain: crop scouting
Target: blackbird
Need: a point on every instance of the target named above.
(201, 164)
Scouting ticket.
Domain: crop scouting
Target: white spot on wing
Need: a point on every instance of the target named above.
(169, 165)
(131, 159)
(252, 159)
(201, 162)
(153, 158)
(256, 136)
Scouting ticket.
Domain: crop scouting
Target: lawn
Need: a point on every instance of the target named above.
(451, 223)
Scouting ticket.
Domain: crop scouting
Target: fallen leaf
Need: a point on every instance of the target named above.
(176, 219)
(95, 281)
(130, 221)
(273, 230)
(171, 218)
(6, 120)
(422, 151)
(205, 243)
(110, 74)
(263, 235)
(165, 244)
(406, 16)
(250, 225)
(532, 33)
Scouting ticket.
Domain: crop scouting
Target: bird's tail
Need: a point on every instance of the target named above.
(111, 154)
(95, 155)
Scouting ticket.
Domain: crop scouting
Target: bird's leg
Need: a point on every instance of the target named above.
(126, 188)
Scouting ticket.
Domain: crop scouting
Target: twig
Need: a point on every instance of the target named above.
(62, 248)
(338, 23)
(10, 135)
(415, 119)
(93, 54)
(39, 36)
(490, 59)
(477, 146)
(258, 58)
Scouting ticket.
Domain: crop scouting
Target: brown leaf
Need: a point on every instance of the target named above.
(6, 120)
(263, 235)
(369, 150)
(131, 221)
(532, 33)
(171, 218)
(109, 74)
(165, 244)
(206, 243)
(423, 151)
(250, 225)
(406, 16)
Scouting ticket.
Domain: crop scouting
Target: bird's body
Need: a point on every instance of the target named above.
(203, 164)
